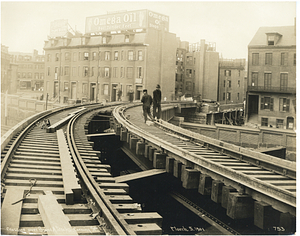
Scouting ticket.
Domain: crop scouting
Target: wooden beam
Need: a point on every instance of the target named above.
(71, 187)
(139, 175)
(11, 214)
(55, 221)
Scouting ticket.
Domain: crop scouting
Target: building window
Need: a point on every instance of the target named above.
(279, 123)
(122, 72)
(67, 72)
(129, 72)
(126, 38)
(188, 86)
(92, 71)
(223, 96)
(227, 72)
(48, 57)
(284, 104)
(139, 72)
(66, 86)
(57, 57)
(284, 59)
(115, 72)
(267, 103)
(122, 55)
(79, 56)
(271, 39)
(94, 55)
(106, 72)
(268, 59)
(239, 83)
(130, 55)
(107, 56)
(48, 71)
(238, 96)
(255, 59)
(86, 56)
(254, 79)
(42, 76)
(140, 55)
(116, 55)
(264, 122)
(67, 56)
(228, 96)
(267, 81)
(283, 81)
(295, 59)
(229, 83)
(85, 71)
(19, 75)
(105, 89)
(29, 75)
(104, 40)
(189, 72)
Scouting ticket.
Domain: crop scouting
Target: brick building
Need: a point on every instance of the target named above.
(271, 98)
(30, 72)
(117, 51)
(9, 82)
(202, 70)
(232, 81)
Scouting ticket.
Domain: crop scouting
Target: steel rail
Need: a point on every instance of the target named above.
(280, 166)
(256, 185)
(109, 212)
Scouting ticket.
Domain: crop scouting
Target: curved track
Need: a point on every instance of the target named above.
(31, 167)
(261, 176)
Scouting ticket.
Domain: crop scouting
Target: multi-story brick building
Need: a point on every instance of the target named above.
(232, 80)
(118, 51)
(271, 99)
(8, 72)
(30, 73)
(202, 70)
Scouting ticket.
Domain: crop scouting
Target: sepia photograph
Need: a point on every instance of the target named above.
(148, 117)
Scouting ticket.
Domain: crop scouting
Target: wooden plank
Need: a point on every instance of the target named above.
(71, 186)
(101, 134)
(146, 229)
(10, 214)
(143, 217)
(139, 175)
(55, 221)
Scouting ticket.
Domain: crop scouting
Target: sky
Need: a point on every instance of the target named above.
(231, 25)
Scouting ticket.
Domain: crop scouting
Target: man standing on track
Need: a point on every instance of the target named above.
(157, 102)
(147, 102)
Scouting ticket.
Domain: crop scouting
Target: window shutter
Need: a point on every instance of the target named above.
(142, 72)
(271, 104)
(224, 72)
(262, 105)
(287, 105)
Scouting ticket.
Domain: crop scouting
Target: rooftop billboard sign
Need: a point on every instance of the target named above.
(58, 28)
(128, 20)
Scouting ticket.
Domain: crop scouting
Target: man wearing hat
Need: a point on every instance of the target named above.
(157, 102)
(147, 102)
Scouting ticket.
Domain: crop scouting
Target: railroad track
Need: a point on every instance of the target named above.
(34, 172)
(263, 177)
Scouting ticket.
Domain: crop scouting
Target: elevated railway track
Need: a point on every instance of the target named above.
(33, 173)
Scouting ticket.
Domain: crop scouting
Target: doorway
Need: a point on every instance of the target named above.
(92, 91)
(253, 108)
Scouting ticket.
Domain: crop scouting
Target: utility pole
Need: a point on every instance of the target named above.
(46, 101)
